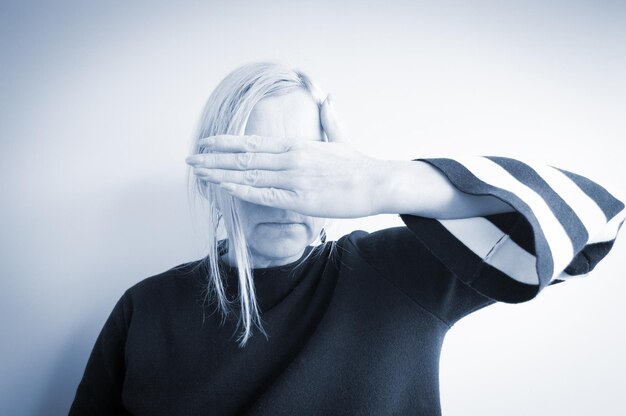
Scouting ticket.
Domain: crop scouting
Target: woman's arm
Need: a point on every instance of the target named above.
(562, 225)
(333, 180)
(519, 225)
(418, 188)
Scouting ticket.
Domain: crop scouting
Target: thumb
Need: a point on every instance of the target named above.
(330, 123)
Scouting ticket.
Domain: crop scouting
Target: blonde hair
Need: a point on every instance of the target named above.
(226, 112)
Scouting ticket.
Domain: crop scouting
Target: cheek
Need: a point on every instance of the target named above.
(246, 212)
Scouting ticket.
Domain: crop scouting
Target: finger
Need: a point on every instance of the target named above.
(247, 143)
(253, 177)
(273, 197)
(242, 161)
(330, 123)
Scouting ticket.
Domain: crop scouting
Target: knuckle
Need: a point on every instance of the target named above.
(273, 194)
(269, 196)
(254, 143)
(251, 177)
(243, 160)
(288, 145)
(294, 144)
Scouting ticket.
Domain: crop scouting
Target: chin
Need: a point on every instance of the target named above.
(286, 247)
(278, 245)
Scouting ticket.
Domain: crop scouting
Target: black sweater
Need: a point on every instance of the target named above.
(355, 329)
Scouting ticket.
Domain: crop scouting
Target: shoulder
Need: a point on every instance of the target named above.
(390, 248)
(396, 254)
(401, 258)
(166, 284)
(380, 239)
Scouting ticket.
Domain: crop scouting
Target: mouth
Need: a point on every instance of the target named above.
(281, 223)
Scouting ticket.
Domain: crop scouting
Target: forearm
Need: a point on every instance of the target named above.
(418, 188)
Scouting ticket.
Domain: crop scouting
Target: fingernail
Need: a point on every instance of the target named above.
(207, 141)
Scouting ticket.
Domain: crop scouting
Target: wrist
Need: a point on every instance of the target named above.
(393, 183)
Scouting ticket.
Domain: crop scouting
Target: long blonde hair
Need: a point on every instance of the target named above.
(226, 112)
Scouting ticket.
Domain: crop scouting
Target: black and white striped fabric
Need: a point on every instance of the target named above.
(563, 226)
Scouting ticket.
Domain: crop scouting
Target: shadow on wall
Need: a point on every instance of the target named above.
(116, 242)
(57, 394)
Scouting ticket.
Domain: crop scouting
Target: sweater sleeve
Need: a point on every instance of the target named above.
(562, 226)
(100, 389)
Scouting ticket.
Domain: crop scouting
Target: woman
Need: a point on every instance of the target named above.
(353, 326)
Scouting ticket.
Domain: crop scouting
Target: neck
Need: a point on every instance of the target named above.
(259, 262)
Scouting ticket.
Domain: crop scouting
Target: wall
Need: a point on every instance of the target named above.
(97, 109)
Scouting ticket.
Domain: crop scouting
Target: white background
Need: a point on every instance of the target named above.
(99, 102)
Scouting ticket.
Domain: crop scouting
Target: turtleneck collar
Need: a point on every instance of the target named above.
(271, 284)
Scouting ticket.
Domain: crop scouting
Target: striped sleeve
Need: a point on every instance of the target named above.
(563, 225)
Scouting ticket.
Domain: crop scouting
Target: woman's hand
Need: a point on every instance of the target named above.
(320, 179)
